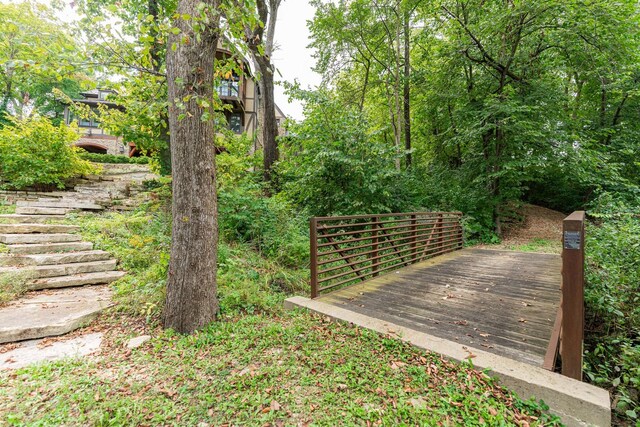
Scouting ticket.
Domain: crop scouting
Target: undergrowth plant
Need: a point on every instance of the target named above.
(35, 153)
(258, 267)
(612, 298)
(13, 285)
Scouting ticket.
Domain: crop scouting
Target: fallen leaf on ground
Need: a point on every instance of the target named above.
(397, 364)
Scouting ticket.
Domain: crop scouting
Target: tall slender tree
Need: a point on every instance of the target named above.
(260, 40)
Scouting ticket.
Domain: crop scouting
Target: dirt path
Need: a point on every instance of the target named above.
(541, 231)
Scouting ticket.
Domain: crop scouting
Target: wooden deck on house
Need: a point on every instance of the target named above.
(502, 302)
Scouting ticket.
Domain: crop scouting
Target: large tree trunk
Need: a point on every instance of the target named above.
(191, 301)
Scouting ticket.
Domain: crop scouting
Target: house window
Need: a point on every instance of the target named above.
(229, 87)
(88, 122)
(235, 123)
(84, 122)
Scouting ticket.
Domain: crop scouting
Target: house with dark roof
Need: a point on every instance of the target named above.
(94, 139)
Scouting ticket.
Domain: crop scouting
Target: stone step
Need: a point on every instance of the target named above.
(29, 210)
(89, 192)
(36, 351)
(103, 277)
(28, 219)
(52, 313)
(45, 271)
(55, 194)
(37, 228)
(52, 258)
(43, 248)
(38, 238)
(60, 205)
(96, 200)
(120, 168)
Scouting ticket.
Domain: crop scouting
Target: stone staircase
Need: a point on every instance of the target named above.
(66, 279)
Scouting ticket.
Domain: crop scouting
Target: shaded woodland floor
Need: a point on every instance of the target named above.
(540, 230)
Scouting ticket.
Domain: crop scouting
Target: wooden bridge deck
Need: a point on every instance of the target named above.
(502, 302)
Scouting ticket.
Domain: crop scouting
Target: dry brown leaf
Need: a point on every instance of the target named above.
(396, 364)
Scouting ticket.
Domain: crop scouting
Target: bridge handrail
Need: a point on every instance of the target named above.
(348, 249)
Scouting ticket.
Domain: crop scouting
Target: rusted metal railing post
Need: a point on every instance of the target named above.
(414, 234)
(374, 247)
(313, 255)
(572, 294)
(440, 231)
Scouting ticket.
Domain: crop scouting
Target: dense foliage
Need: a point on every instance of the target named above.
(612, 295)
(35, 153)
(37, 55)
(504, 100)
(334, 164)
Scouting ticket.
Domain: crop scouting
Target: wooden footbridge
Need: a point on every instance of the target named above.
(412, 270)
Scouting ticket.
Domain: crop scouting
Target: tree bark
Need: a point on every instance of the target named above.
(269, 126)
(191, 301)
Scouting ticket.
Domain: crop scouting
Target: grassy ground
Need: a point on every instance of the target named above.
(260, 370)
(536, 245)
(7, 208)
(258, 365)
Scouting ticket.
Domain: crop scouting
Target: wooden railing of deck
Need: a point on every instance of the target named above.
(568, 331)
(351, 249)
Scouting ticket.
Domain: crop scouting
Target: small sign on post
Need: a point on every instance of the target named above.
(572, 239)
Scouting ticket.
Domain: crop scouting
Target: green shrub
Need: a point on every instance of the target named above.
(36, 153)
(110, 158)
(269, 224)
(612, 298)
